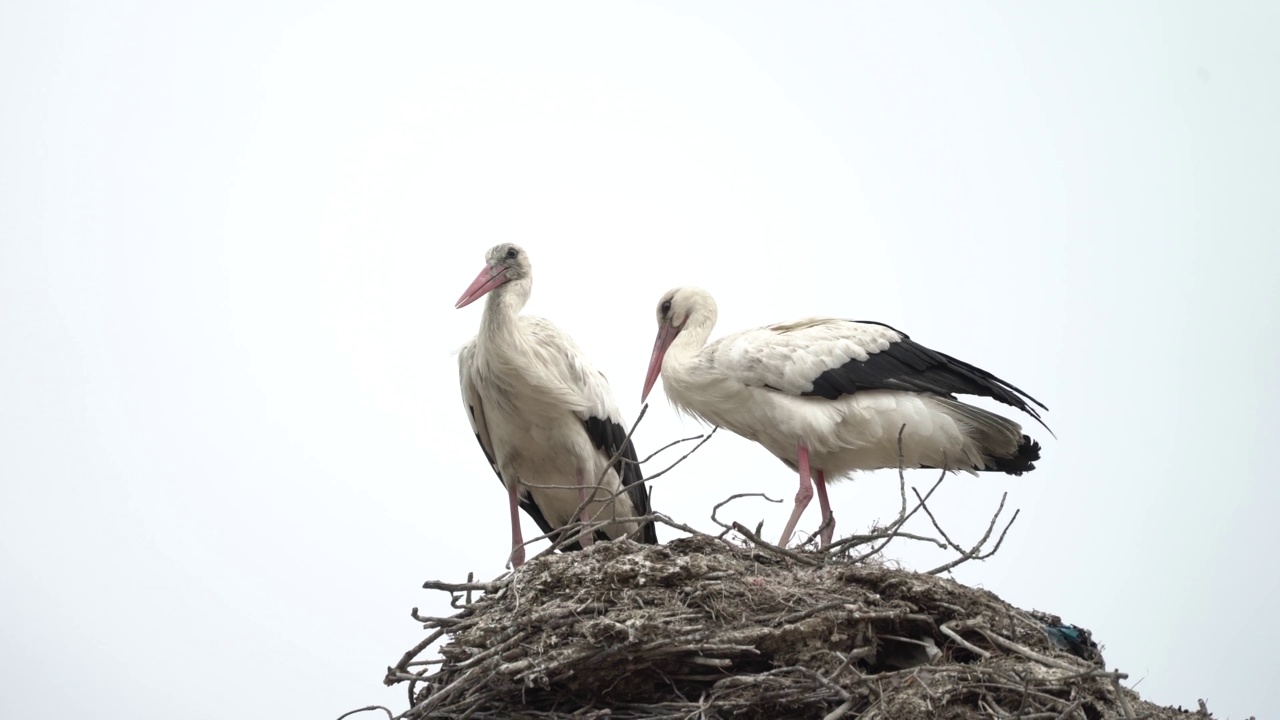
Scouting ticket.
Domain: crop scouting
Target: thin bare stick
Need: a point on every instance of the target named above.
(569, 528)
(410, 655)
(668, 446)
(715, 519)
(897, 525)
(466, 586)
(950, 629)
(842, 710)
(573, 531)
(973, 554)
(756, 539)
(366, 709)
(596, 487)
(1124, 701)
(701, 442)
(665, 520)
(856, 540)
(1024, 651)
(894, 528)
(617, 455)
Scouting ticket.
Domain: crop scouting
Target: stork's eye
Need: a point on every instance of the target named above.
(511, 253)
(665, 307)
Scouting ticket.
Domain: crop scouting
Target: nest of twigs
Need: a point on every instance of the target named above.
(705, 627)
(731, 626)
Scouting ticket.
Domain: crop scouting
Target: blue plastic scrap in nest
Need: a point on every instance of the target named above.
(1075, 640)
(1071, 638)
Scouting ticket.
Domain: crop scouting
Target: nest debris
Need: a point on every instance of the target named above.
(705, 627)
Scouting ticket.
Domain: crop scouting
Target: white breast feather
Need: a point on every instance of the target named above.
(533, 390)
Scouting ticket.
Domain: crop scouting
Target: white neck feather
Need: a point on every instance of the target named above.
(694, 335)
(503, 306)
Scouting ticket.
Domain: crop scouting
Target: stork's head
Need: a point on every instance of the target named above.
(505, 263)
(681, 309)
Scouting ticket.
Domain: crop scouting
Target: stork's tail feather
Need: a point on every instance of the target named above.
(649, 534)
(999, 440)
(1024, 461)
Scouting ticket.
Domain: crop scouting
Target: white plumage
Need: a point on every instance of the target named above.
(546, 419)
(829, 396)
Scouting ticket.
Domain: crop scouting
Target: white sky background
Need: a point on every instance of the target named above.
(231, 440)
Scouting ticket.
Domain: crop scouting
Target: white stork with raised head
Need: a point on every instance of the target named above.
(546, 419)
(828, 396)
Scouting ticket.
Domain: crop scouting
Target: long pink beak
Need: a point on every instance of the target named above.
(489, 278)
(666, 334)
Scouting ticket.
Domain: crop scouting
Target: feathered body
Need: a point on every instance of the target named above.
(837, 390)
(546, 419)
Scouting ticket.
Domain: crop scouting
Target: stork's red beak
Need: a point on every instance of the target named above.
(489, 278)
(666, 334)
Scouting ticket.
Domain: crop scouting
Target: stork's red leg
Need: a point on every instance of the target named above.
(803, 496)
(828, 522)
(517, 538)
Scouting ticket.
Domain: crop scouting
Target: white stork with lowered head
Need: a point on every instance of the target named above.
(829, 396)
(546, 419)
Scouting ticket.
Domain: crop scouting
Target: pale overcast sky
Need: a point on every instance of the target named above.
(231, 440)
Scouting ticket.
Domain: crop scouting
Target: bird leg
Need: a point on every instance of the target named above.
(517, 538)
(803, 496)
(587, 537)
(828, 521)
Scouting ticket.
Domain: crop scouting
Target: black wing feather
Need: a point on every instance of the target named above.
(608, 436)
(909, 366)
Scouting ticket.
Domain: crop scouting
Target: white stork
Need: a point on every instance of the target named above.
(546, 419)
(829, 396)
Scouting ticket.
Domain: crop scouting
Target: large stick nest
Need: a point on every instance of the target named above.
(706, 628)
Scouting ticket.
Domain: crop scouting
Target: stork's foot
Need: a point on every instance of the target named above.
(825, 533)
(516, 559)
(802, 501)
(828, 529)
(803, 496)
